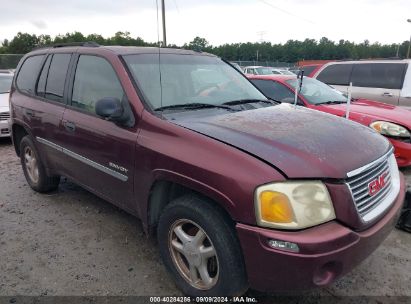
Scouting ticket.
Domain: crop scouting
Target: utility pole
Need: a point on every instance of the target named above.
(409, 43)
(163, 12)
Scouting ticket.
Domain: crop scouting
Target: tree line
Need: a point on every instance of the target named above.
(291, 51)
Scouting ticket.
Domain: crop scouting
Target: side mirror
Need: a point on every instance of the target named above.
(110, 108)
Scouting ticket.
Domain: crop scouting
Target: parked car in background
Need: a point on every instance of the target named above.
(240, 190)
(257, 70)
(237, 66)
(261, 70)
(281, 71)
(5, 85)
(391, 121)
(388, 81)
(309, 70)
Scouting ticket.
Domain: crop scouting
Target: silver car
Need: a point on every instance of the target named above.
(5, 84)
(388, 81)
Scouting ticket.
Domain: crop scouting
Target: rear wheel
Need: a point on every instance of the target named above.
(33, 168)
(199, 247)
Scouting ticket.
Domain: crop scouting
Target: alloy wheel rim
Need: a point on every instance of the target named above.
(193, 254)
(31, 165)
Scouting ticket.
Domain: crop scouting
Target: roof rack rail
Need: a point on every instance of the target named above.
(68, 44)
(85, 44)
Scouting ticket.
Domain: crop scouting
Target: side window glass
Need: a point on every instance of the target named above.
(94, 79)
(337, 74)
(378, 75)
(27, 77)
(57, 77)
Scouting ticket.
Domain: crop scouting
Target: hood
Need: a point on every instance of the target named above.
(4, 100)
(300, 142)
(366, 111)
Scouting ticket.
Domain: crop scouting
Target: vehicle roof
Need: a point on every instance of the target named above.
(370, 61)
(120, 50)
(254, 66)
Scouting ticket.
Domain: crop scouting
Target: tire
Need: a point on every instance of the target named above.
(183, 219)
(33, 168)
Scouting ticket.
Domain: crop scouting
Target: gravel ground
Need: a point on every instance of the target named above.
(72, 243)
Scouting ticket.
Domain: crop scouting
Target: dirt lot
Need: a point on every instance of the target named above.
(72, 243)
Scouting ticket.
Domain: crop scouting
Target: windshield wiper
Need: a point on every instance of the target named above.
(333, 102)
(193, 106)
(244, 101)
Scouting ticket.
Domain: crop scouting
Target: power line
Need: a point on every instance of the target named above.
(285, 11)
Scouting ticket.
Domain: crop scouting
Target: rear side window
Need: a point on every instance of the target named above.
(27, 77)
(53, 77)
(95, 79)
(337, 74)
(274, 90)
(378, 75)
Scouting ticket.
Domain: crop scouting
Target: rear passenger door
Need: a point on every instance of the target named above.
(100, 153)
(45, 104)
(378, 81)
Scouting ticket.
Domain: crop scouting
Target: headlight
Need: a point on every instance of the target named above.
(293, 205)
(390, 129)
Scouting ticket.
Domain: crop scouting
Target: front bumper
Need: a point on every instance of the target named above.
(4, 128)
(326, 252)
(402, 152)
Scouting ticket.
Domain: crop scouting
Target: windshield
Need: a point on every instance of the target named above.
(188, 79)
(5, 83)
(317, 92)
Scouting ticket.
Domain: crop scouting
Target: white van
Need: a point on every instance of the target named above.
(387, 81)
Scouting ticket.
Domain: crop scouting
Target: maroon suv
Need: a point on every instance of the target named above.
(241, 191)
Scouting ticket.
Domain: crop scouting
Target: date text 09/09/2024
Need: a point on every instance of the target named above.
(203, 299)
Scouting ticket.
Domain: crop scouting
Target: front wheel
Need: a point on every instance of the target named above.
(200, 249)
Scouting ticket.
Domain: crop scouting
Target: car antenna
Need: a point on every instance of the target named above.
(298, 86)
(347, 110)
(159, 60)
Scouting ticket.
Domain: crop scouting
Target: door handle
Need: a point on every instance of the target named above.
(70, 126)
(30, 113)
(387, 94)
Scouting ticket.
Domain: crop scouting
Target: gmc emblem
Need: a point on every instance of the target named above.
(377, 184)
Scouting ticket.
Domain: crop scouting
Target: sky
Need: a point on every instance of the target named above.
(218, 21)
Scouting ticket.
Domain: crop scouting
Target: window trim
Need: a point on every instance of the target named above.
(35, 96)
(72, 76)
(64, 101)
(38, 74)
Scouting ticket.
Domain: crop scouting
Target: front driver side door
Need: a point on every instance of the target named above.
(100, 153)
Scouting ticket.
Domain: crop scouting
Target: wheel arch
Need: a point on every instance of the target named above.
(18, 131)
(167, 186)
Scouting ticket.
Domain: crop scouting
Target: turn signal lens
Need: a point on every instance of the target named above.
(293, 205)
(275, 207)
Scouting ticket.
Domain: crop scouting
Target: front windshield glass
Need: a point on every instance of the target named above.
(317, 92)
(188, 79)
(5, 83)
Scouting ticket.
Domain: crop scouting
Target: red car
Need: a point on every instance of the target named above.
(391, 121)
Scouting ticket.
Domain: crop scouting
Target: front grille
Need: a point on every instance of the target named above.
(359, 186)
(5, 116)
(5, 131)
